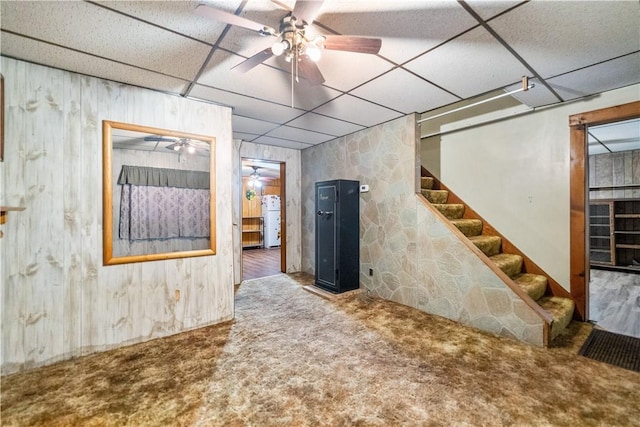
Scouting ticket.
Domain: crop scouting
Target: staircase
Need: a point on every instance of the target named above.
(534, 285)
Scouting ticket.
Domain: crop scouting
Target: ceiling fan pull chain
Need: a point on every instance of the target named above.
(297, 58)
(292, 82)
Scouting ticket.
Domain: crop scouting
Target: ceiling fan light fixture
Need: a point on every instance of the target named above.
(313, 51)
(177, 147)
(191, 149)
(278, 48)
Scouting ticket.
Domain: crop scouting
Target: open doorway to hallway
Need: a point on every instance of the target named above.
(262, 218)
(581, 256)
(614, 226)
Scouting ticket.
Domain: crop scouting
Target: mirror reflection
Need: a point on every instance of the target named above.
(159, 201)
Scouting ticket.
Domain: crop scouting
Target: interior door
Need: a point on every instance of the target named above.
(326, 234)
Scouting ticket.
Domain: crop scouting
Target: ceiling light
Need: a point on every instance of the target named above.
(191, 149)
(258, 183)
(177, 147)
(278, 48)
(313, 52)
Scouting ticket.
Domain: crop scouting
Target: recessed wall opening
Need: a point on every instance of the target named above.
(262, 222)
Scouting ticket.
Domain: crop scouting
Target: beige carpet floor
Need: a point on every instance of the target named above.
(293, 358)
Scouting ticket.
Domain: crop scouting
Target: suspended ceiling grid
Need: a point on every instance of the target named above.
(434, 53)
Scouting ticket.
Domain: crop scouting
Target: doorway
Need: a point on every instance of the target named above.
(613, 224)
(263, 218)
(579, 196)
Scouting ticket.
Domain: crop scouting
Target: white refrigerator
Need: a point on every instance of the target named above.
(271, 217)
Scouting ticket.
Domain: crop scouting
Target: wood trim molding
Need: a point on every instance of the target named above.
(606, 115)
(283, 217)
(1, 118)
(579, 263)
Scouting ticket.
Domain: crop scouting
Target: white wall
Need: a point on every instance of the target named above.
(58, 300)
(515, 174)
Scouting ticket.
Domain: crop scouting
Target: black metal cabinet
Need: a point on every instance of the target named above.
(338, 235)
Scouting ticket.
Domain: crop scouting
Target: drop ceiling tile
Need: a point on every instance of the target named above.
(246, 42)
(246, 106)
(346, 70)
(407, 28)
(489, 9)
(147, 46)
(625, 132)
(319, 123)
(392, 88)
(253, 126)
(480, 64)
(603, 77)
(564, 36)
(295, 134)
(178, 16)
(249, 137)
(535, 97)
(262, 82)
(57, 57)
(358, 111)
(267, 140)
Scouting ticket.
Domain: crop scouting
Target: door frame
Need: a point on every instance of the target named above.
(283, 213)
(578, 194)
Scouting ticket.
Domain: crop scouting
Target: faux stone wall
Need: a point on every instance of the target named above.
(416, 259)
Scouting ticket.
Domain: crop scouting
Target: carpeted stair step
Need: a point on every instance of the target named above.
(469, 227)
(436, 196)
(489, 245)
(534, 285)
(426, 182)
(562, 311)
(450, 210)
(511, 264)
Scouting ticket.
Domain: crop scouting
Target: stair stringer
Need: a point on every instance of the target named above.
(537, 320)
(529, 266)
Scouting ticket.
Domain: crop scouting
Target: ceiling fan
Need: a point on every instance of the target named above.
(179, 144)
(294, 43)
(256, 179)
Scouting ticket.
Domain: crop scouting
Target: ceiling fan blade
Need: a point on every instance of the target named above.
(352, 44)
(255, 60)
(160, 139)
(307, 10)
(310, 72)
(230, 18)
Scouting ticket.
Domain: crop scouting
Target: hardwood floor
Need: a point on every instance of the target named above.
(260, 263)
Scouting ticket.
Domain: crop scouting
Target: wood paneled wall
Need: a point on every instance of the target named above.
(58, 301)
(254, 207)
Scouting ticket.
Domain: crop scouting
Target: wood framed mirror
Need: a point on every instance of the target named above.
(158, 194)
